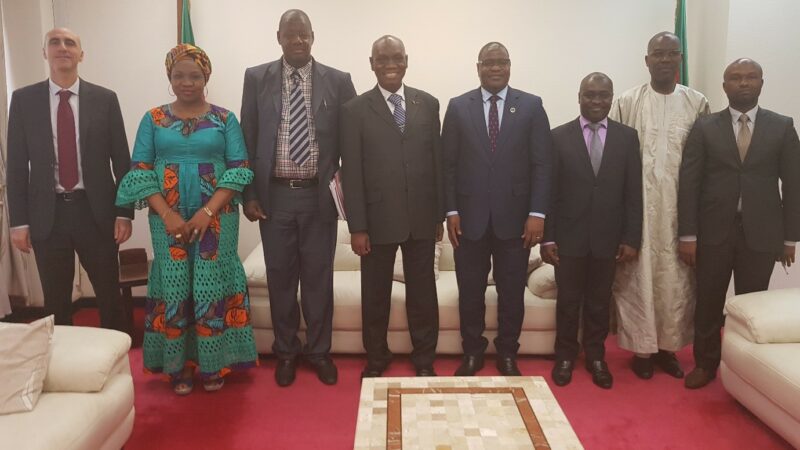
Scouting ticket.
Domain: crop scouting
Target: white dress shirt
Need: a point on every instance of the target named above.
(401, 92)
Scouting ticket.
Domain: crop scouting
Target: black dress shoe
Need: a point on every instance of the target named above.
(373, 370)
(600, 374)
(470, 365)
(426, 371)
(326, 370)
(285, 372)
(642, 367)
(667, 362)
(699, 377)
(562, 372)
(507, 366)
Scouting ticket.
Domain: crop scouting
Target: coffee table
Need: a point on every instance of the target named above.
(449, 413)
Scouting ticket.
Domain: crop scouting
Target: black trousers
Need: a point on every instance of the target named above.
(74, 230)
(584, 283)
(473, 261)
(298, 249)
(422, 305)
(751, 271)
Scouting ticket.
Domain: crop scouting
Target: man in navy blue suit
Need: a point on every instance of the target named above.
(497, 168)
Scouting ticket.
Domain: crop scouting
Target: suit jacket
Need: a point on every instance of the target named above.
(31, 156)
(595, 214)
(392, 179)
(261, 118)
(712, 177)
(505, 185)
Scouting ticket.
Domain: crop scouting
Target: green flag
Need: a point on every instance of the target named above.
(187, 35)
(680, 30)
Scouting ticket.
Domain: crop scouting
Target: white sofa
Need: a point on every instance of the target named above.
(87, 400)
(538, 328)
(761, 357)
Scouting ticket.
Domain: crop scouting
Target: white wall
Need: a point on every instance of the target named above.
(552, 45)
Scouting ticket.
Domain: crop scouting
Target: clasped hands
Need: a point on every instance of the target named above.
(189, 231)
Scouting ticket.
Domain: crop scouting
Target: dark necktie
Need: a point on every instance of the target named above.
(494, 123)
(595, 147)
(67, 145)
(399, 113)
(299, 145)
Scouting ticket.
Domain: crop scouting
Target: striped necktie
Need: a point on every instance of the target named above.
(399, 113)
(299, 144)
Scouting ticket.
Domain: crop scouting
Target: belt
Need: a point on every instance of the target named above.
(296, 183)
(71, 196)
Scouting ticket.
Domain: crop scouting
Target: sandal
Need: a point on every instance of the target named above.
(213, 384)
(182, 386)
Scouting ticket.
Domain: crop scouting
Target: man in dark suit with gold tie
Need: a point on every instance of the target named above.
(62, 134)
(595, 223)
(392, 193)
(733, 215)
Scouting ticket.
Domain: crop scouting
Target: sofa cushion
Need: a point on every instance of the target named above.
(23, 365)
(542, 282)
(83, 358)
(769, 316)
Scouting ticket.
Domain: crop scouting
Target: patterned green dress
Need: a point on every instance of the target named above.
(197, 309)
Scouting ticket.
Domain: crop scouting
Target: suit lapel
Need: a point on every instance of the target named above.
(317, 86)
(43, 102)
(85, 100)
(479, 122)
(726, 130)
(509, 118)
(758, 132)
(270, 91)
(379, 106)
(610, 146)
(582, 153)
(412, 106)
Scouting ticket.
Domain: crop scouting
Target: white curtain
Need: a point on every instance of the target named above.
(18, 273)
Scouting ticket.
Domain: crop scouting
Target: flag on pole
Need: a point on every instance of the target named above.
(682, 76)
(187, 35)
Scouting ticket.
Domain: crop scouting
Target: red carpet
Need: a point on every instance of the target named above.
(252, 412)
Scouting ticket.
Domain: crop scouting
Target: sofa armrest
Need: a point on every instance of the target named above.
(768, 316)
(83, 358)
(542, 282)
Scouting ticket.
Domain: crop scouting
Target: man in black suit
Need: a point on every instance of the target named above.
(290, 121)
(497, 167)
(62, 133)
(595, 222)
(392, 193)
(732, 217)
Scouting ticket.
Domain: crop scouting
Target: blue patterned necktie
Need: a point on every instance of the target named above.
(399, 113)
(299, 145)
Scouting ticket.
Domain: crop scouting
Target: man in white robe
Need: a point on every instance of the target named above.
(655, 296)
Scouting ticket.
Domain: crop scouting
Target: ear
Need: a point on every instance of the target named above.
(278, 36)
(371, 64)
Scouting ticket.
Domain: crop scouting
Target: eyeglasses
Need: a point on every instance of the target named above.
(492, 63)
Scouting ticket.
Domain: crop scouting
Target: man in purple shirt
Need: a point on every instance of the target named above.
(595, 223)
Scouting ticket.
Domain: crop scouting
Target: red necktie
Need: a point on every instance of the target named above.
(67, 146)
(494, 123)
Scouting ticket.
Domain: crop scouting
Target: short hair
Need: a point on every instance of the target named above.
(490, 45)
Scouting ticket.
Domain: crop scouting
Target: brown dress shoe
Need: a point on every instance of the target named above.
(699, 377)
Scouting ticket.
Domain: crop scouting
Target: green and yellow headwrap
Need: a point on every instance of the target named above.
(188, 51)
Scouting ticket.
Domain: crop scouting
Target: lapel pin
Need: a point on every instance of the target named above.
(512, 110)
(415, 101)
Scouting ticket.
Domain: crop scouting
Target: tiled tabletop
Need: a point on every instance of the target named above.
(449, 413)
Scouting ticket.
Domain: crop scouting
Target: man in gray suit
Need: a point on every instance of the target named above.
(497, 168)
(392, 193)
(62, 133)
(732, 217)
(290, 120)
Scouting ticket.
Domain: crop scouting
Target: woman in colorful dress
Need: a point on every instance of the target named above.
(190, 166)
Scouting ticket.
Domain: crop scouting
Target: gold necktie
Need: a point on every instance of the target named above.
(743, 140)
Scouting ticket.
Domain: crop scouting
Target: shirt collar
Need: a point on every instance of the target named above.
(488, 95)
(584, 122)
(735, 114)
(401, 92)
(304, 71)
(55, 89)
